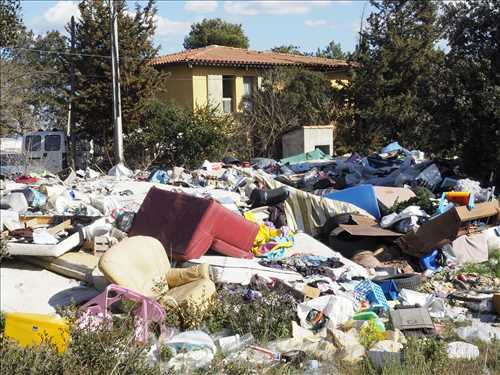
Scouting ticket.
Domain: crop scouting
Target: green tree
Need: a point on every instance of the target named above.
(332, 51)
(172, 135)
(139, 81)
(50, 88)
(16, 75)
(10, 22)
(312, 95)
(287, 49)
(215, 31)
(468, 96)
(288, 98)
(396, 57)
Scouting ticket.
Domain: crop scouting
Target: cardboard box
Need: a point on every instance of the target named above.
(445, 228)
(387, 196)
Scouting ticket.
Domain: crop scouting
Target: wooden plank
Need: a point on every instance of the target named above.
(369, 230)
(59, 227)
(36, 220)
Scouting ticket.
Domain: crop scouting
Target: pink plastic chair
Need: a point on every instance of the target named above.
(96, 311)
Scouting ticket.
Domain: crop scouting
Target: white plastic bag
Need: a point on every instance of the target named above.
(462, 350)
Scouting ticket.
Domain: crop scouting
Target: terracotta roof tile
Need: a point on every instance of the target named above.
(221, 55)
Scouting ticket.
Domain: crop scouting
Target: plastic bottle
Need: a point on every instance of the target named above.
(235, 343)
(312, 368)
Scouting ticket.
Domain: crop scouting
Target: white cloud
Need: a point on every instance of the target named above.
(240, 8)
(200, 6)
(57, 16)
(356, 25)
(314, 23)
(277, 8)
(165, 28)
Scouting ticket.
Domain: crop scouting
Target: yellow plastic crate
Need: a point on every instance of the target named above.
(29, 329)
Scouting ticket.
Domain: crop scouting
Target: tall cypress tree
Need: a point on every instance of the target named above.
(468, 98)
(140, 82)
(395, 60)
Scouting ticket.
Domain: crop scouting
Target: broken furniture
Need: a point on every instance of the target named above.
(188, 226)
(412, 321)
(141, 264)
(75, 234)
(148, 311)
(446, 227)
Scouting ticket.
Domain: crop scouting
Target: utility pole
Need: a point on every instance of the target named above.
(115, 65)
(72, 98)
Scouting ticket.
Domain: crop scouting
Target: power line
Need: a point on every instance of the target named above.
(55, 52)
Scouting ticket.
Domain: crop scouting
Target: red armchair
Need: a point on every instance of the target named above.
(188, 226)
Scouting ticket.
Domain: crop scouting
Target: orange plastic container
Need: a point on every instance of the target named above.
(31, 329)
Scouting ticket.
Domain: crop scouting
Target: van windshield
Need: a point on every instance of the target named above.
(33, 143)
(52, 142)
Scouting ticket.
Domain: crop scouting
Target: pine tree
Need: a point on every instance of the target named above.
(395, 62)
(140, 82)
(215, 31)
(468, 98)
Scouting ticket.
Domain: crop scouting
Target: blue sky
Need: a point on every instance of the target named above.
(307, 24)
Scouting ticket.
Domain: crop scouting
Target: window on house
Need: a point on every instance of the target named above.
(228, 93)
(247, 93)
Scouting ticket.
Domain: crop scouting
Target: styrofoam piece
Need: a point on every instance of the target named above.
(10, 220)
(462, 350)
(240, 271)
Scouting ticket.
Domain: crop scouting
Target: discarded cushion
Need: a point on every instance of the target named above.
(140, 264)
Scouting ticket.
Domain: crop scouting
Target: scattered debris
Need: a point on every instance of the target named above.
(362, 251)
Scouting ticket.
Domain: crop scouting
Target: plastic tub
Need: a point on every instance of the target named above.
(362, 196)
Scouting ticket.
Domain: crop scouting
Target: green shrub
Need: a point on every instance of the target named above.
(171, 135)
(90, 351)
(267, 318)
(489, 268)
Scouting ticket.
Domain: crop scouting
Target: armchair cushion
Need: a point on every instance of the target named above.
(197, 292)
(136, 263)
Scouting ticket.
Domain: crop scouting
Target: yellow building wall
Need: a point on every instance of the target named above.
(338, 79)
(180, 85)
(188, 85)
(200, 74)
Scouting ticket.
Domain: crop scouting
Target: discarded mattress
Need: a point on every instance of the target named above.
(30, 289)
(188, 226)
(76, 265)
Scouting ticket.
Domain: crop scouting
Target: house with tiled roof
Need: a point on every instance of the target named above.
(227, 76)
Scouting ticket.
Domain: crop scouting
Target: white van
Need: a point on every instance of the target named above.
(40, 151)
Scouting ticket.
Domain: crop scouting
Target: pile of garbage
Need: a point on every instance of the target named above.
(385, 246)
